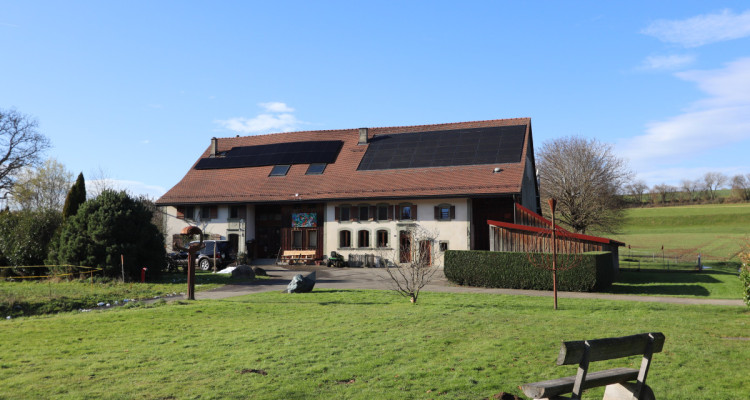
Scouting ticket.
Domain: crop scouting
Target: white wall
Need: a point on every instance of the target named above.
(455, 232)
(221, 225)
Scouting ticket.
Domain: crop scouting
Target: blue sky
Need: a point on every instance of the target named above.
(133, 91)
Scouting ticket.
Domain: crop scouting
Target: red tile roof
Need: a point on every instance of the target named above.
(341, 180)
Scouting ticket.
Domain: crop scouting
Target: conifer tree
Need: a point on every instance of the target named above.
(76, 197)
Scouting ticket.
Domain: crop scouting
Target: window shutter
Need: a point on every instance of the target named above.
(214, 212)
(453, 212)
(354, 213)
(242, 212)
(180, 212)
(437, 213)
(398, 212)
(336, 213)
(390, 213)
(414, 212)
(373, 212)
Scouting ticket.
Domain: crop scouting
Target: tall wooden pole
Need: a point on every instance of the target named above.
(552, 204)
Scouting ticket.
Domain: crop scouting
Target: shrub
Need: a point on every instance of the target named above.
(514, 271)
(25, 237)
(108, 226)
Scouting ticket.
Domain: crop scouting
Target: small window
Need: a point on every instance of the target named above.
(445, 212)
(345, 213)
(443, 246)
(363, 238)
(405, 213)
(382, 212)
(315, 169)
(364, 212)
(297, 239)
(382, 238)
(205, 212)
(279, 170)
(345, 239)
(312, 239)
(189, 212)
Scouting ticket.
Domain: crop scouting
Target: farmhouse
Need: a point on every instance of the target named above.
(358, 191)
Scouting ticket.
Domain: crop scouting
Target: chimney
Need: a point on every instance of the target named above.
(214, 142)
(362, 136)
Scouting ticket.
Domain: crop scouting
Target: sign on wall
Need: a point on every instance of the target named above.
(304, 220)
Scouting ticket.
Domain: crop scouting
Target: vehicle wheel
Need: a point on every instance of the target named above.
(204, 264)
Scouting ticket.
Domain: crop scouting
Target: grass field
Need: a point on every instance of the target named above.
(716, 231)
(719, 282)
(359, 345)
(32, 297)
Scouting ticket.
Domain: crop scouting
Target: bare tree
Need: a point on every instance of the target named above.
(21, 146)
(690, 189)
(584, 176)
(413, 266)
(636, 191)
(713, 181)
(663, 193)
(100, 181)
(741, 187)
(43, 188)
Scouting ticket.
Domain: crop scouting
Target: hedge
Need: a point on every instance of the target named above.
(514, 271)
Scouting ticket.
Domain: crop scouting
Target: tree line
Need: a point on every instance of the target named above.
(703, 189)
(47, 221)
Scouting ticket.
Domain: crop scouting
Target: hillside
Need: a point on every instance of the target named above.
(716, 231)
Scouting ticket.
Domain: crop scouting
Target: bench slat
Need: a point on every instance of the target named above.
(610, 348)
(554, 387)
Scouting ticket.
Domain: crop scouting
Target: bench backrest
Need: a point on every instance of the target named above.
(610, 348)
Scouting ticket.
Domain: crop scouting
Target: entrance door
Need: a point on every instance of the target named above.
(425, 253)
(268, 230)
(404, 240)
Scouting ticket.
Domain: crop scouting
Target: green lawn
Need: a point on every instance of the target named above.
(359, 345)
(719, 282)
(716, 231)
(31, 297)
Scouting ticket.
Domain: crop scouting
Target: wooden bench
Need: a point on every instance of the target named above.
(617, 380)
(295, 256)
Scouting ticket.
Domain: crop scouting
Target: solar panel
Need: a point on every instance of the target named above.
(323, 152)
(494, 145)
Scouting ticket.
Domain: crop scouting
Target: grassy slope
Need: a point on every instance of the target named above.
(359, 345)
(716, 231)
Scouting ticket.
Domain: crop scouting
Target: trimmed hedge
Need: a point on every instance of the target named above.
(514, 271)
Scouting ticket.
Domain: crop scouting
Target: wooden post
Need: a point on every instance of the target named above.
(552, 204)
(122, 265)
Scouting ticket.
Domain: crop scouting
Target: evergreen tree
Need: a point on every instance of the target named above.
(108, 226)
(76, 197)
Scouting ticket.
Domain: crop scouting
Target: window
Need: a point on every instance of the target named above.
(445, 212)
(297, 239)
(382, 238)
(237, 212)
(407, 212)
(364, 212)
(315, 169)
(363, 239)
(345, 213)
(312, 239)
(382, 212)
(345, 239)
(279, 170)
(185, 212)
(443, 246)
(205, 212)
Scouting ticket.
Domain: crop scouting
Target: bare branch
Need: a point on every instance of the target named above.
(21, 146)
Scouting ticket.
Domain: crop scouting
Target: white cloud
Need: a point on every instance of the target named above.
(134, 188)
(276, 107)
(702, 29)
(277, 117)
(669, 62)
(719, 120)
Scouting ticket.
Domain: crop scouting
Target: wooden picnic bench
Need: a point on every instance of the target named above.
(618, 381)
(296, 256)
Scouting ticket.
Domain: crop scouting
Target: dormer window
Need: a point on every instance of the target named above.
(279, 170)
(315, 169)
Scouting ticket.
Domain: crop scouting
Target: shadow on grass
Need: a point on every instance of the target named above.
(660, 290)
(643, 277)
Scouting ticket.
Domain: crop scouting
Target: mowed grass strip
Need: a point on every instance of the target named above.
(720, 282)
(359, 345)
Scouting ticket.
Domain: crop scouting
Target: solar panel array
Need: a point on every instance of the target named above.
(495, 145)
(324, 151)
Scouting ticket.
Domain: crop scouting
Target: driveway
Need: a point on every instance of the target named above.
(377, 278)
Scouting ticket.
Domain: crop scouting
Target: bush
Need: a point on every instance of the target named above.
(108, 226)
(514, 271)
(25, 238)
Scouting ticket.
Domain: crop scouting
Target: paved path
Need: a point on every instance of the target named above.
(376, 278)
